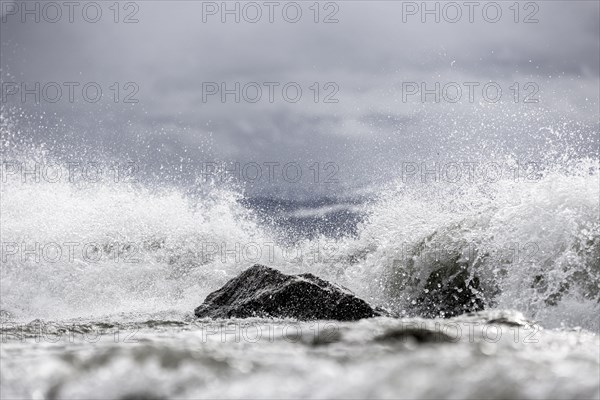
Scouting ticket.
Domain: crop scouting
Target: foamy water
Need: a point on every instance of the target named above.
(127, 357)
(74, 249)
(131, 260)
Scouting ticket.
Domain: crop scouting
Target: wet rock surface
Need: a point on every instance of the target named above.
(441, 276)
(261, 291)
(450, 291)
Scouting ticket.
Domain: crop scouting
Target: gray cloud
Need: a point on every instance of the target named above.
(369, 54)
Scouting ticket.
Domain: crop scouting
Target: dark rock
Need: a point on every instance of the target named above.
(419, 335)
(265, 292)
(438, 277)
(449, 292)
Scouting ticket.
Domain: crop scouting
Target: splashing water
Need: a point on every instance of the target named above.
(72, 248)
(532, 246)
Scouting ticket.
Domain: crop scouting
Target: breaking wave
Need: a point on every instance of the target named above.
(91, 247)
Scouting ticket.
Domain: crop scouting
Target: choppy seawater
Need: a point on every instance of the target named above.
(492, 355)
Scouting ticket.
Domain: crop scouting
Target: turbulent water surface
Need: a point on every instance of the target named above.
(99, 280)
(487, 355)
(438, 159)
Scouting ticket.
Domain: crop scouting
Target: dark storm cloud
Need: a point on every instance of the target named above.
(171, 52)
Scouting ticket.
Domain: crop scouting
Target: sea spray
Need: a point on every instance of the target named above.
(93, 243)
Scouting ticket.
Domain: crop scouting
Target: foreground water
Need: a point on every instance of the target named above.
(491, 354)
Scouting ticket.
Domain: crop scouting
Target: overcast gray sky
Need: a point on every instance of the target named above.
(368, 61)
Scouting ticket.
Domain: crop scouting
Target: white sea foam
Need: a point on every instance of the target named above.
(533, 244)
